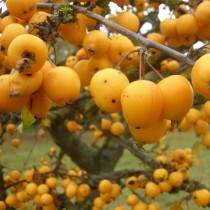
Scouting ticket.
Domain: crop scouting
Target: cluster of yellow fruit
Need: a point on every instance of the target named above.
(100, 51)
(185, 29)
(30, 83)
(21, 192)
(146, 106)
(179, 162)
(171, 66)
(197, 119)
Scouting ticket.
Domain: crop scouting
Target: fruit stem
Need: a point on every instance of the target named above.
(154, 69)
(125, 56)
(142, 64)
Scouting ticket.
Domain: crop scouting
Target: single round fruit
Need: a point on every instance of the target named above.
(187, 25)
(175, 178)
(22, 9)
(62, 85)
(96, 42)
(104, 186)
(193, 115)
(84, 190)
(168, 27)
(10, 33)
(132, 199)
(6, 102)
(178, 96)
(201, 197)
(160, 174)
(179, 155)
(107, 80)
(117, 128)
(201, 127)
(202, 13)
(10, 128)
(51, 182)
(31, 189)
(117, 50)
(39, 104)
(127, 20)
(46, 199)
(71, 190)
(152, 189)
(15, 142)
(141, 103)
(132, 182)
(200, 75)
(24, 84)
(116, 190)
(73, 32)
(205, 140)
(84, 73)
(24, 53)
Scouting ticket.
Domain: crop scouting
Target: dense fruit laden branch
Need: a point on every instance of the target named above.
(135, 37)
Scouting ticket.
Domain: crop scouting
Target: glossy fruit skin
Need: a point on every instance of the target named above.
(6, 102)
(39, 104)
(106, 81)
(175, 178)
(10, 32)
(152, 189)
(187, 25)
(117, 50)
(73, 32)
(24, 53)
(168, 27)
(201, 197)
(200, 75)
(62, 85)
(202, 13)
(178, 97)
(84, 73)
(150, 134)
(128, 20)
(24, 85)
(22, 9)
(141, 103)
(96, 42)
(117, 128)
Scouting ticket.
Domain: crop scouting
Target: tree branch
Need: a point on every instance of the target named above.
(135, 37)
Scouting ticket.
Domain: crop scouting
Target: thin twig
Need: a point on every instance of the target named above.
(135, 37)
(125, 56)
(30, 151)
(155, 70)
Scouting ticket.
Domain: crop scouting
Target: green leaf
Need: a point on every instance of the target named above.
(27, 118)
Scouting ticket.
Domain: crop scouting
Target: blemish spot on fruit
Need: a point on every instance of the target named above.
(137, 127)
(28, 58)
(105, 81)
(113, 101)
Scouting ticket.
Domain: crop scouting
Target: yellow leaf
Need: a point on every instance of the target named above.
(27, 117)
(46, 122)
(176, 206)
